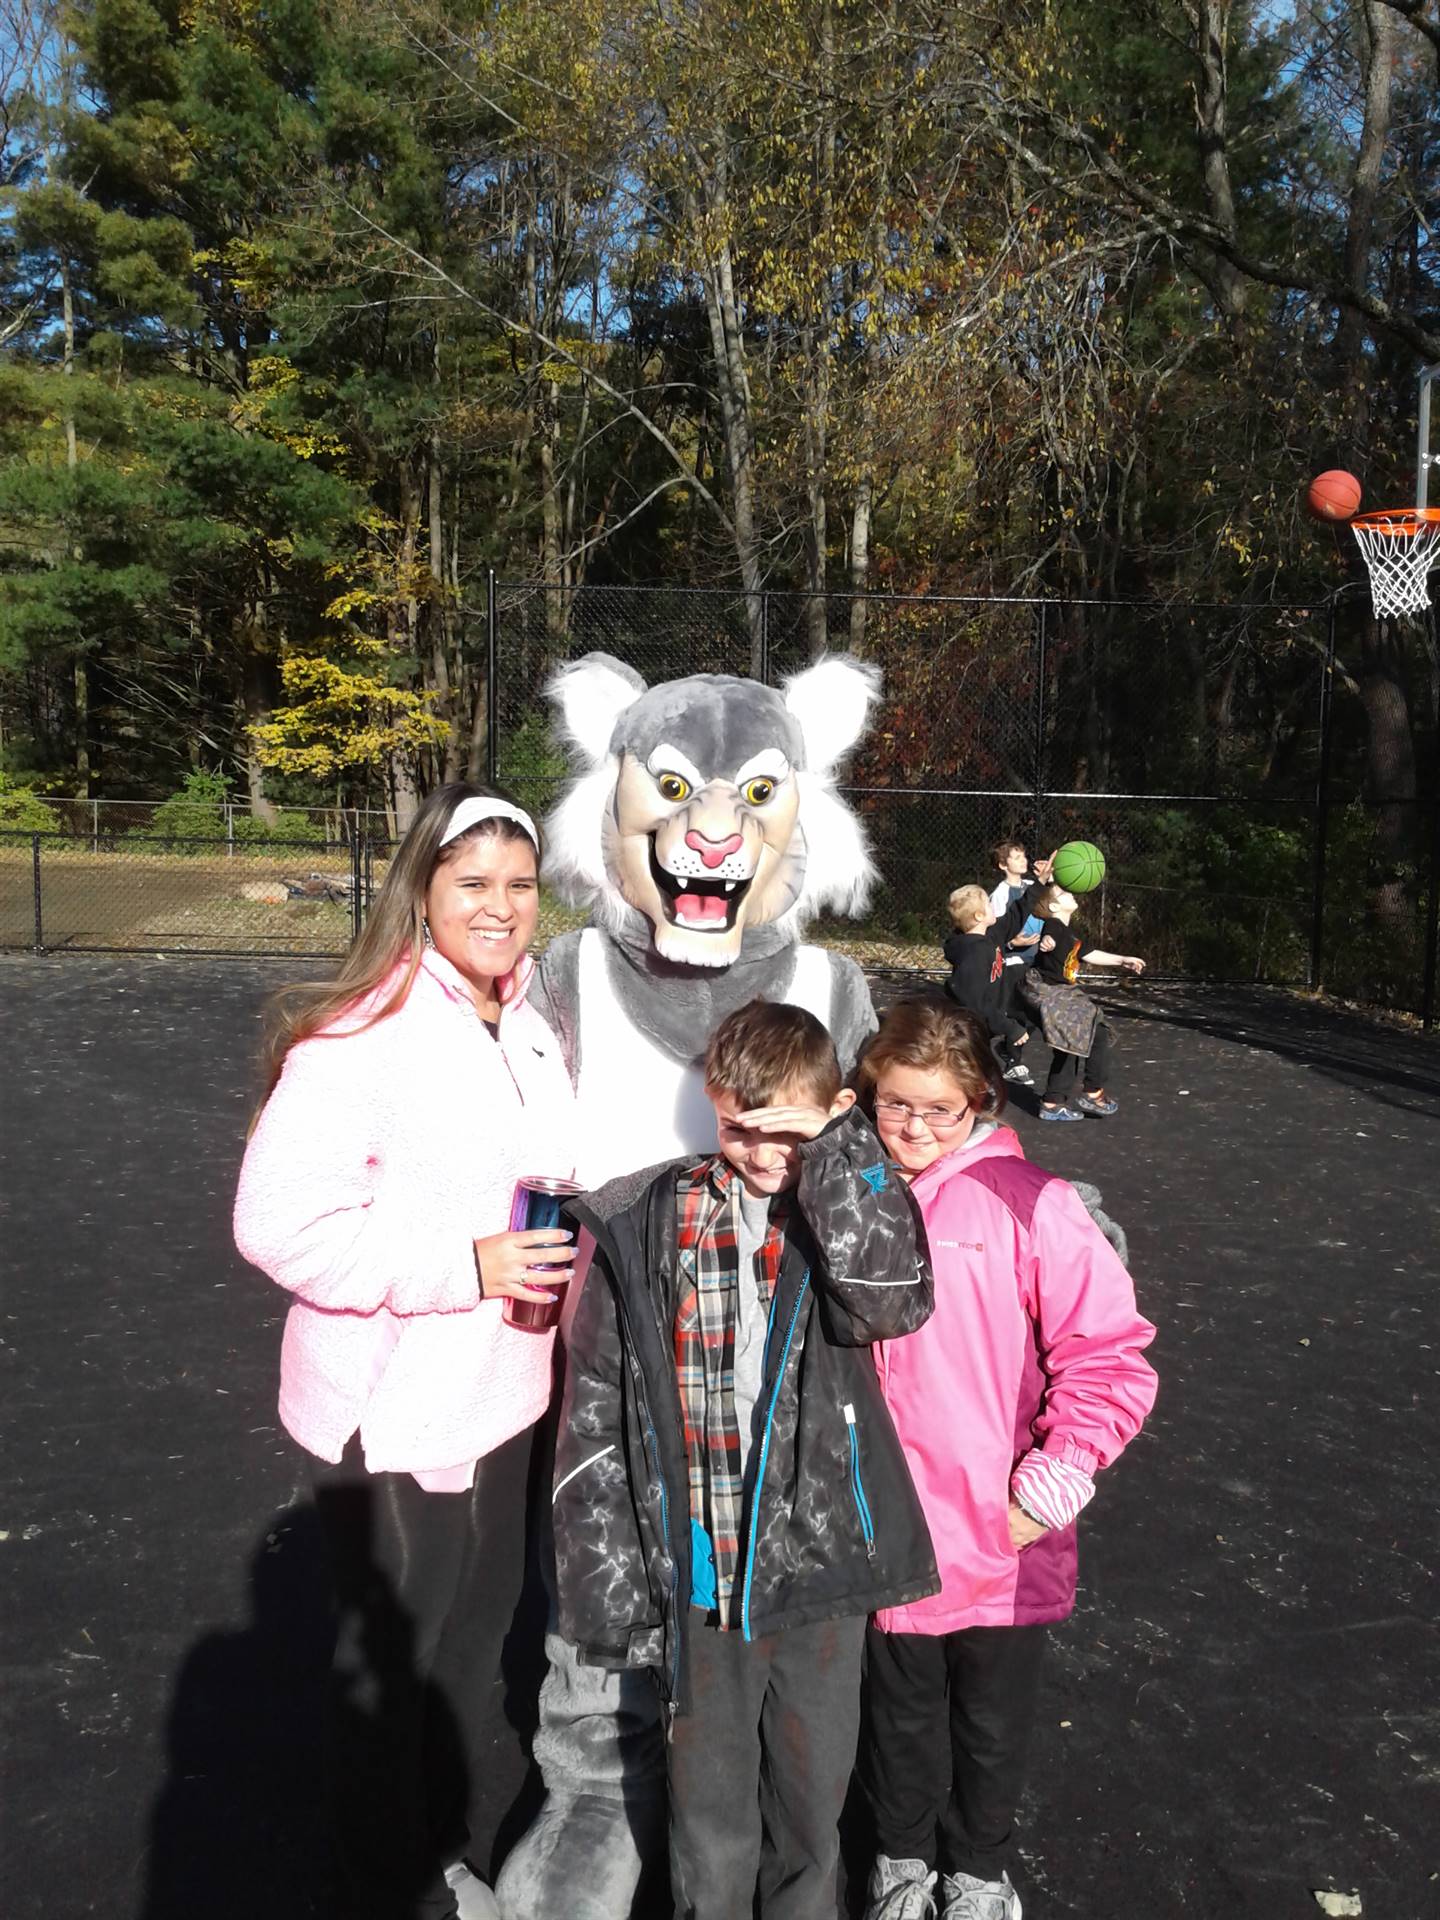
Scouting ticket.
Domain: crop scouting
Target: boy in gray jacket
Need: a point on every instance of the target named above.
(731, 1501)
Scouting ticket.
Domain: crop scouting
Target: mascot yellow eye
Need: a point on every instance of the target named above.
(757, 792)
(673, 787)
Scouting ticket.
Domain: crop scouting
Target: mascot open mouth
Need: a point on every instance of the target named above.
(700, 906)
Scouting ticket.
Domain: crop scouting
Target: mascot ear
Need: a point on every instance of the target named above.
(831, 701)
(592, 693)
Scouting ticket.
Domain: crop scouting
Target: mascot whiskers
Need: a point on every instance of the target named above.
(702, 830)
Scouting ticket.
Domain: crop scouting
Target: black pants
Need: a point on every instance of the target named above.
(759, 1768)
(948, 1720)
(426, 1585)
(1065, 1067)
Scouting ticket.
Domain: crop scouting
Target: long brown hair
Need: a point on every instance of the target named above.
(394, 930)
(930, 1033)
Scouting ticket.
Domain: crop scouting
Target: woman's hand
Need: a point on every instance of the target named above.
(505, 1261)
(1023, 1530)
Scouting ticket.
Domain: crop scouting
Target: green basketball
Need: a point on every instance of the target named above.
(1079, 866)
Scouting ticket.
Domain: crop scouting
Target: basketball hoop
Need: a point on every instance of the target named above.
(1400, 546)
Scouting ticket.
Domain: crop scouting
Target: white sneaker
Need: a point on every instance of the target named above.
(1020, 1075)
(900, 1890)
(473, 1898)
(967, 1898)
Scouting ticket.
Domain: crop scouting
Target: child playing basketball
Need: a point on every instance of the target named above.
(1013, 863)
(1029, 1377)
(976, 952)
(1074, 1027)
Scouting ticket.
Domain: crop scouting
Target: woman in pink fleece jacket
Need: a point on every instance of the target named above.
(410, 1094)
(1028, 1378)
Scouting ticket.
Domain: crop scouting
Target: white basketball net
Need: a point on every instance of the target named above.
(1399, 548)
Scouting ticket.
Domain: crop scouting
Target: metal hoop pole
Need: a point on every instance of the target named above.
(1432, 918)
(1423, 455)
(1322, 811)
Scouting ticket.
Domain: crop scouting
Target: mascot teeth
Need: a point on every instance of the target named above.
(701, 906)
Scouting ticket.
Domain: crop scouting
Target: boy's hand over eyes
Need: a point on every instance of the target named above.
(803, 1122)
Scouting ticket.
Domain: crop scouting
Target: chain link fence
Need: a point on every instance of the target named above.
(81, 893)
(1215, 753)
(1221, 757)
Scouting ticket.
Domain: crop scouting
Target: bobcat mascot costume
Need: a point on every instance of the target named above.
(703, 829)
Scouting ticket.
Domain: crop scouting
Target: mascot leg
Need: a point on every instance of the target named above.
(601, 1752)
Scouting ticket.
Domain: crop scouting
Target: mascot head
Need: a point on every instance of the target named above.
(707, 806)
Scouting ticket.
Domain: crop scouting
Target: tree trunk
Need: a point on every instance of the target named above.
(817, 402)
(72, 461)
(1390, 771)
(861, 509)
(257, 675)
(477, 754)
(732, 381)
(406, 792)
(440, 625)
(1212, 32)
(1378, 63)
(816, 345)
(1390, 746)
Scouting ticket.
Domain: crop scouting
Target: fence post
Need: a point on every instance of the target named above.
(95, 826)
(1322, 810)
(357, 916)
(1041, 649)
(35, 869)
(765, 638)
(1432, 926)
(1432, 930)
(229, 831)
(492, 690)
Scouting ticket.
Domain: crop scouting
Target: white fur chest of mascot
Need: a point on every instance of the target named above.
(703, 830)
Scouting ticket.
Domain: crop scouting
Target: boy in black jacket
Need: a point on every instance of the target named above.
(731, 1501)
(976, 952)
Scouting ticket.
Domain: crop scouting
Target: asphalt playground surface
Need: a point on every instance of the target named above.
(1244, 1709)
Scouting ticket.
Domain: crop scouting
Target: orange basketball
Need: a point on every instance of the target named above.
(1334, 495)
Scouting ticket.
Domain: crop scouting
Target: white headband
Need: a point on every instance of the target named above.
(470, 813)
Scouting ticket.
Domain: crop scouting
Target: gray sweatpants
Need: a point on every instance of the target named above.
(759, 1769)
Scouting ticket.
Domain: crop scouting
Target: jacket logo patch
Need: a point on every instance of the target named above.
(874, 1178)
(966, 1246)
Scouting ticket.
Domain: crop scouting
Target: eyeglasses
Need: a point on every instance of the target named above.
(937, 1119)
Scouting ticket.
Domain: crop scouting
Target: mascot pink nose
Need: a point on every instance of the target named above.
(712, 852)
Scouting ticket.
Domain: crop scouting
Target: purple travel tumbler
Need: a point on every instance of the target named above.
(537, 1203)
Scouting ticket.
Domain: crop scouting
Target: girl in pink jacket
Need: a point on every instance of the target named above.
(1028, 1378)
(408, 1097)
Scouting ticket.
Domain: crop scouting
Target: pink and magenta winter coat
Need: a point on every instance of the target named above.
(1035, 1341)
(378, 1160)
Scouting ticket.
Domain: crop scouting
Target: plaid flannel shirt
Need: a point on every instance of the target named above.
(707, 1200)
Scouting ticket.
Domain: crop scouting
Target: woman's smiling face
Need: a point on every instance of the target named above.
(481, 907)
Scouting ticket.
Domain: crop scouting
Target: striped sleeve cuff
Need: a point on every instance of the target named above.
(1052, 1491)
